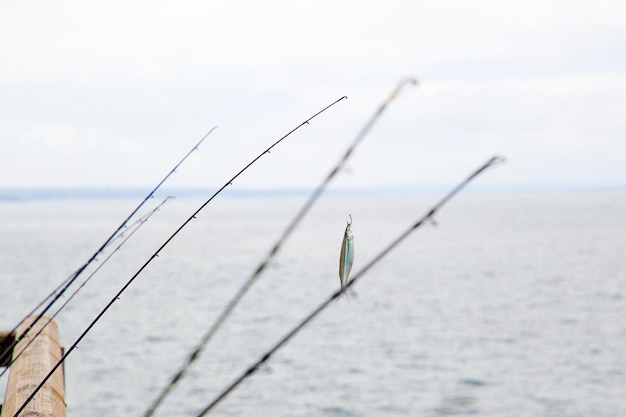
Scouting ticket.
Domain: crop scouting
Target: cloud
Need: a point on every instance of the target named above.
(131, 85)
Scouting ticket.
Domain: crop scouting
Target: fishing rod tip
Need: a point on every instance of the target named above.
(498, 159)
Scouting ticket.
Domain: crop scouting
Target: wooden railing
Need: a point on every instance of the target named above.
(30, 368)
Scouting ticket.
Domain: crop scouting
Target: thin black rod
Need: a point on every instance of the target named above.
(132, 229)
(156, 254)
(70, 280)
(266, 356)
(193, 356)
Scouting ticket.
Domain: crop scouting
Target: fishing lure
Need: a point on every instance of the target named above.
(347, 255)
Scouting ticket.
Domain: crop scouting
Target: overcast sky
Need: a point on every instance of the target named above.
(113, 94)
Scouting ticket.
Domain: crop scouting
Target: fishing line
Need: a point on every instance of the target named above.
(156, 254)
(70, 280)
(133, 228)
(259, 269)
(266, 356)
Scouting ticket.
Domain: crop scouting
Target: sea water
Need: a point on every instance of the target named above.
(510, 304)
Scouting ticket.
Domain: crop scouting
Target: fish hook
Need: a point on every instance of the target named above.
(350, 222)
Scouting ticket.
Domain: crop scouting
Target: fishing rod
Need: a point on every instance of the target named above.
(59, 291)
(118, 236)
(424, 219)
(156, 254)
(3, 354)
(133, 229)
(193, 356)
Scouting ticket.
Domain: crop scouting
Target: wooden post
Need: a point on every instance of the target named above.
(30, 369)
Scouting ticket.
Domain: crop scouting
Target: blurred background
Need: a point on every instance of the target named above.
(512, 305)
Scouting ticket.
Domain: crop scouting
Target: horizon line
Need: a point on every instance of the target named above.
(119, 192)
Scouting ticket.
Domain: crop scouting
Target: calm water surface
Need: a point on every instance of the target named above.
(512, 305)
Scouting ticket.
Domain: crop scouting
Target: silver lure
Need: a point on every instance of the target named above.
(347, 255)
